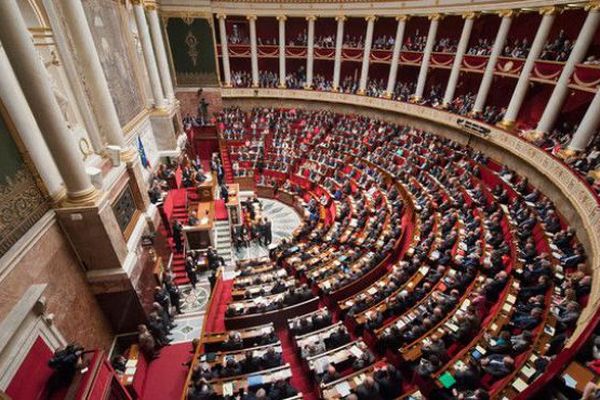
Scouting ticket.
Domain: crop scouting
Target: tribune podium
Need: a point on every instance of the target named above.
(206, 190)
(234, 207)
(202, 235)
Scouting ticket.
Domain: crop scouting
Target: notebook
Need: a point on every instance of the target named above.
(447, 380)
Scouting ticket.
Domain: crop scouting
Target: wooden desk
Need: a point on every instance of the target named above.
(216, 339)
(206, 190)
(581, 374)
(234, 208)
(202, 235)
(228, 386)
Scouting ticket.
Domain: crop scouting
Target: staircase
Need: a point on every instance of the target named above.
(226, 164)
(178, 264)
(223, 239)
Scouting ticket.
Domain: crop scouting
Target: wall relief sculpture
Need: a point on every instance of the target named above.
(115, 49)
(22, 203)
(192, 51)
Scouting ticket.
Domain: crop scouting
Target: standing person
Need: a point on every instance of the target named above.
(225, 194)
(177, 238)
(190, 270)
(268, 234)
(214, 259)
(174, 295)
(203, 111)
(147, 342)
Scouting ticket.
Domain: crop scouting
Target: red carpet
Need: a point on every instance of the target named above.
(166, 376)
(218, 321)
(220, 210)
(300, 379)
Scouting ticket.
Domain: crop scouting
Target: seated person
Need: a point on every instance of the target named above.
(368, 390)
(498, 365)
(330, 375)
(271, 359)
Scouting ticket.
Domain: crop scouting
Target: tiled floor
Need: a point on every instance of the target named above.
(187, 328)
(284, 220)
(194, 301)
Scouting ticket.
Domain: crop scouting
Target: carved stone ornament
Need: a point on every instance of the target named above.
(21, 205)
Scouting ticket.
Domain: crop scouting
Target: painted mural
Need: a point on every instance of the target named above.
(192, 51)
(22, 203)
(113, 42)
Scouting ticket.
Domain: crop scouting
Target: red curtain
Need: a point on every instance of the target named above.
(29, 383)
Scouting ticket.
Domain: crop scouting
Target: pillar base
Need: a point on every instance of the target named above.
(85, 198)
(228, 85)
(255, 86)
(414, 99)
(566, 153)
(532, 136)
(443, 106)
(282, 86)
(308, 87)
(474, 113)
(361, 92)
(506, 124)
(594, 174)
(387, 95)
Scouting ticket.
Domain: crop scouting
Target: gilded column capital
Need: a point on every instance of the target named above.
(251, 17)
(593, 5)
(403, 18)
(282, 18)
(341, 18)
(435, 17)
(370, 18)
(311, 18)
(551, 10)
(506, 13)
(470, 15)
(137, 2)
(221, 16)
(150, 5)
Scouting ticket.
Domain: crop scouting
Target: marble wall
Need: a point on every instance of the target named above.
(189, 100)
(50, 260)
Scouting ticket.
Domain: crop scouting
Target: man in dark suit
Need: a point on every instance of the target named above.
(250, 363)
(368, 390)
(267, 233)
(271, 359)
(177, 229)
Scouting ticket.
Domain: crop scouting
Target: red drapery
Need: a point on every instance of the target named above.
(29, 383)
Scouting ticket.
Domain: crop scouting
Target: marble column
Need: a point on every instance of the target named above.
(33, 78)
(149, 57)
(561, 89)
(488, 74)
(310, 51)
(512, 112)
(94, 78)
(16, 106)
(282, 73)
(253, 50)
(364, 71)
(339, 43)
(224, 50)
(391, 84)
(588, 127)
(433, 26)
(160, 51)
(458, 58)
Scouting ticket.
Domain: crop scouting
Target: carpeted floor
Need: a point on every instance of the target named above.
(220, 210)
(166, 376)
(219, 318)
(300, 379)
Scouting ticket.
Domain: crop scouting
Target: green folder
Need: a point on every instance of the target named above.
(447, 380)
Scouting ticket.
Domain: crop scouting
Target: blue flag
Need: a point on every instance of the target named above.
(142, 152)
